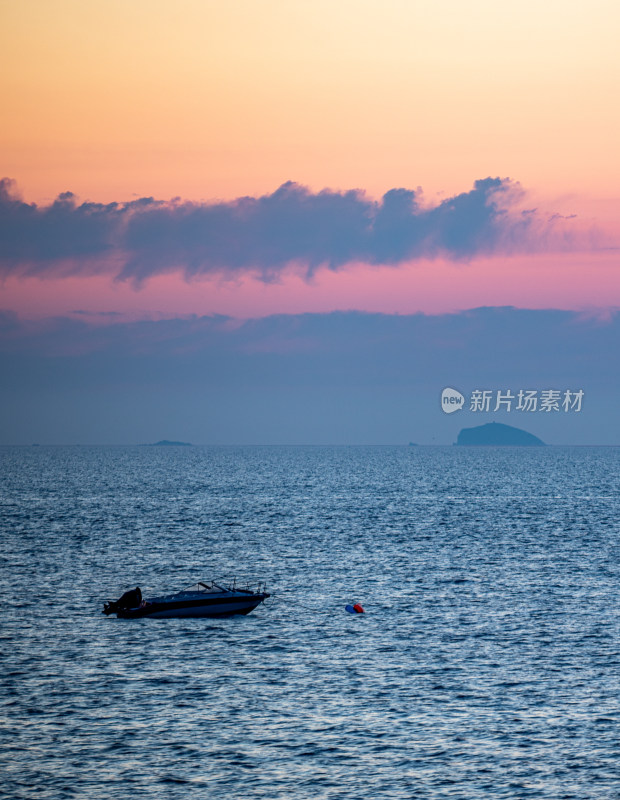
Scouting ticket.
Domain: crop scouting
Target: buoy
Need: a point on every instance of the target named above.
(358, 609)
(350, 609)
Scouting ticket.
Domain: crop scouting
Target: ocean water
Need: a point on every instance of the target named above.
(487, 663)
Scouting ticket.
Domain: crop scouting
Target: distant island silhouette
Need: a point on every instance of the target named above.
(495, 433)
(167, 443)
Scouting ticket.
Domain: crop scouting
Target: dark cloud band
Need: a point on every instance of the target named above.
(291, 226)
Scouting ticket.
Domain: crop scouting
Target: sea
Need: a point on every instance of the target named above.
(486, 662)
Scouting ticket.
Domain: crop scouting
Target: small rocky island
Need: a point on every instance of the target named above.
(495, 433)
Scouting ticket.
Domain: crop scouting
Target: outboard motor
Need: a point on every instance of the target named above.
(130, 599)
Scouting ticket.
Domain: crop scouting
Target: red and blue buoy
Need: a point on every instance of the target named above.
(356, 609)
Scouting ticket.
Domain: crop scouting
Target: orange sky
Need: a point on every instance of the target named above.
(203, 99)
(207, 99)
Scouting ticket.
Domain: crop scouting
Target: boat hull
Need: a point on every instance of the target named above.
(177, 607)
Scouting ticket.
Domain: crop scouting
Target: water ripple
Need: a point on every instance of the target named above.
(486, 663)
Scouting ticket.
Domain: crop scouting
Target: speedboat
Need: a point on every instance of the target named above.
(200, 600)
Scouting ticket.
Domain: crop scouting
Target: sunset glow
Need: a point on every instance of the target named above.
(429, 287)
(209, 99)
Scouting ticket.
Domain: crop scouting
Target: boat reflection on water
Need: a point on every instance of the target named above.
(208, 599)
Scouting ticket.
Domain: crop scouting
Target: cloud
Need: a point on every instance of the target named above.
(61, 237)
(339, 377)
(293, 226)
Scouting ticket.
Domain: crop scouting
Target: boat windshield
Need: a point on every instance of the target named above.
(208, 586)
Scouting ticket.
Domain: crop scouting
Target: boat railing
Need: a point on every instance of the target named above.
(240, 585)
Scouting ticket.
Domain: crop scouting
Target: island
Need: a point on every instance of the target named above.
(495, 433)
(167, 443)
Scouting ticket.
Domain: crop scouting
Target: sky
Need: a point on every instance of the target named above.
(295, 222)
